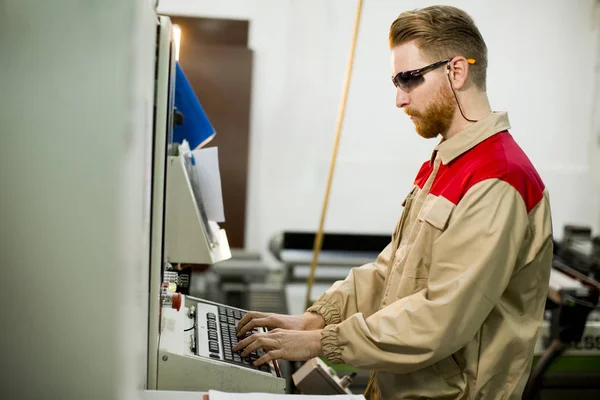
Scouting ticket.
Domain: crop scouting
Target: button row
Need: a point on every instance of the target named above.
(213, 337)
(229, 312)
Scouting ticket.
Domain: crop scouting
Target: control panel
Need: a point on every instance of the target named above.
(195, 350)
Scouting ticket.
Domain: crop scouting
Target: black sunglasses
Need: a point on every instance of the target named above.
(408, 80)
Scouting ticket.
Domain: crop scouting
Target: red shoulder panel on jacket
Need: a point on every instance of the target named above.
(498, 157)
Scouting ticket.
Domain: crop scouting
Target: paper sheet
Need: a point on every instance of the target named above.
(209, 179)
(171, 395)
(216, 395)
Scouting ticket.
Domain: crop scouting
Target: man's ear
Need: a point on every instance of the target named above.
(458, 72)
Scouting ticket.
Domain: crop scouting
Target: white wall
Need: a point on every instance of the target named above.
(542, 57)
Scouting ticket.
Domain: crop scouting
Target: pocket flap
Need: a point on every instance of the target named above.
(436, 211)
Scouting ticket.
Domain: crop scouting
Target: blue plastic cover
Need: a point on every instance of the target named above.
(196, 128)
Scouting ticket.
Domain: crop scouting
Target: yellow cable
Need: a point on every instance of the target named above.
(319, 236)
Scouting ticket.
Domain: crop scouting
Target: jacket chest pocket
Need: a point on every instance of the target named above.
(436, 212)
(433, 219)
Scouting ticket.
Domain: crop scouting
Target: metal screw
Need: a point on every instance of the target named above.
(165, 358)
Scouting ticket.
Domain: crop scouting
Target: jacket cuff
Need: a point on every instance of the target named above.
(328, 311)
(329, 343)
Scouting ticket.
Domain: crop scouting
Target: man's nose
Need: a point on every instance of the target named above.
(402, 98)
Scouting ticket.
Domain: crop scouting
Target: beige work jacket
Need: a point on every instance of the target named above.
(452, 307)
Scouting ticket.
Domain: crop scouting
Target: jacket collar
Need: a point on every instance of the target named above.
(465, 140)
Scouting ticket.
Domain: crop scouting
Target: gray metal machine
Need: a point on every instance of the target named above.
(190, 339)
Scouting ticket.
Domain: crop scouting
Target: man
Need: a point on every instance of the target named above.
(452, 307)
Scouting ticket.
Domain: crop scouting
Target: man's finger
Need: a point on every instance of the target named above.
(242, 329)
(264, 343)
(267, 322)
(249, 316)
(244, 343)
(270, 356)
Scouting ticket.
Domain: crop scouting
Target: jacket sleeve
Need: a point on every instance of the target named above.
(359, 292)
(471, 264)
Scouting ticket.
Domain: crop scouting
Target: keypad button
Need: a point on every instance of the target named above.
(237, 358)
(211, 316)
(237, 314)
(213, 346)
(223, 318)
(222, 311)
(229, 312)
(212, 335)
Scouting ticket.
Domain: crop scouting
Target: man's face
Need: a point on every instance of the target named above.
(431, 105)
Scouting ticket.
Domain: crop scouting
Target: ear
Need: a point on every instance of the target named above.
(458, 71)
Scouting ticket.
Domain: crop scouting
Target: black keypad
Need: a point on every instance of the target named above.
(227, 319)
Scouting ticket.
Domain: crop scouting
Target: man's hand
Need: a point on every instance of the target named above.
(305, 322)
(283, 344)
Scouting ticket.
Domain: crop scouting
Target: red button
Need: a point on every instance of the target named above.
(176, 301)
